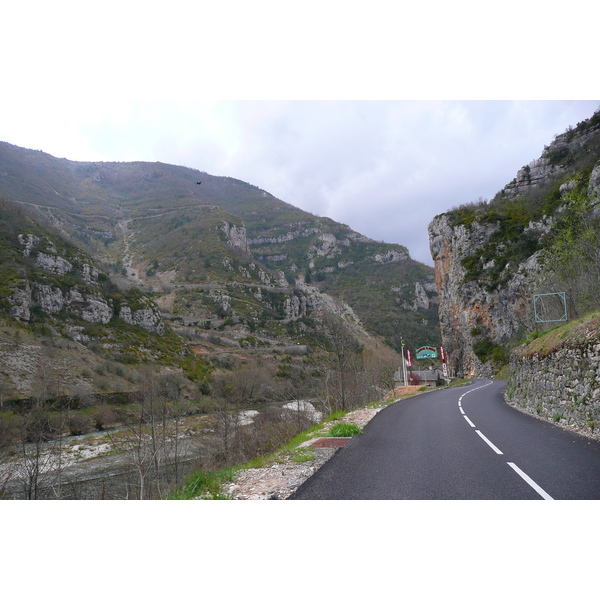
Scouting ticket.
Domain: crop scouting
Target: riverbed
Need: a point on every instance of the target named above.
(115, 464)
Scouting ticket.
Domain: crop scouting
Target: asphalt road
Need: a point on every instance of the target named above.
(459, 444)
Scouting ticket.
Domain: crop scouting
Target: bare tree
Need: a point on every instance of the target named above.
(172, 386)
(36, 431)
(343, 349)
(152, 436)
(226, 408)
(133, 442)
(8, 433)
(36, 460)
(250, 381)
(64, 413)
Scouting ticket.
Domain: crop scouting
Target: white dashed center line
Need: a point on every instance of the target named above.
(531, 482)
(488, 442)
(469, 421)
(521, 474)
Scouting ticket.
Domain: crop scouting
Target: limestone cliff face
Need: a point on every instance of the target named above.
(148, 317)
(236, 236)
(91, 306)
(555, 160)
(487, 256)
(468, 312)
(78, 296)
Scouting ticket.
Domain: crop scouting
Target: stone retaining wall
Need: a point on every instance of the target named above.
(563, 387)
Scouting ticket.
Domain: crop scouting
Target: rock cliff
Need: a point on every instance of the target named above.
(62, 281)
(488, 256)
(467, 311)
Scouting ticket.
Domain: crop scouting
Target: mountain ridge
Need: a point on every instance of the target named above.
(91, 201)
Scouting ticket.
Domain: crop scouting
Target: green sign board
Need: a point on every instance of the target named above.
(427, 352)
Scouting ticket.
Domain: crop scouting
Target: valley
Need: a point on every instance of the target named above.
(139, 305)
(132, 298)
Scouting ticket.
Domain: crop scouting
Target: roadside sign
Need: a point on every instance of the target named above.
(427, 352)
(550, 308)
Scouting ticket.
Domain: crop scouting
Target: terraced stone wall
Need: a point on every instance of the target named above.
(563, 387)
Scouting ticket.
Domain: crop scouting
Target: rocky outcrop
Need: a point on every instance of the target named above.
(421, 298)
(236, 236)
(30, 242)
(38, 293)
(594, 185)
(532, 175)
(147, 317)
(296, 306)
(327, 245)
(48, 259)
(91, 307)
(392, 256)
(90, 274)
(554, 162)
(297, 230)
(20, 303)
(468, 312)
(594, 190)
(53, 264)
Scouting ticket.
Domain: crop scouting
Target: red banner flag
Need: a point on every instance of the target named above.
(444, 367)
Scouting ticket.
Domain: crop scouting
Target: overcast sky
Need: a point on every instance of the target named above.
(236, 90)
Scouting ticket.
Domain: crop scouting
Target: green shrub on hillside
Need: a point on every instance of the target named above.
(511, 243)
(486, 350)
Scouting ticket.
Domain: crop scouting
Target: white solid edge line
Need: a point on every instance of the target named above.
(531, 482)
(469, 421)
(488, 442)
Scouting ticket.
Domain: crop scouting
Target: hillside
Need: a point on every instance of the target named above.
(55, 300)
(115, 266)
(153, 226)
(180, 320)
(497, 261)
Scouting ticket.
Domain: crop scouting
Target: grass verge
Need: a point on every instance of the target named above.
(204, 484)
(207, 485)
(344, 430)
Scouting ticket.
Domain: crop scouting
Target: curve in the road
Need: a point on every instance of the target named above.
(432, 447)
(512, 465)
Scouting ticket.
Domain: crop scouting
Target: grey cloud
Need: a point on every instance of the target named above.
(384, 168)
